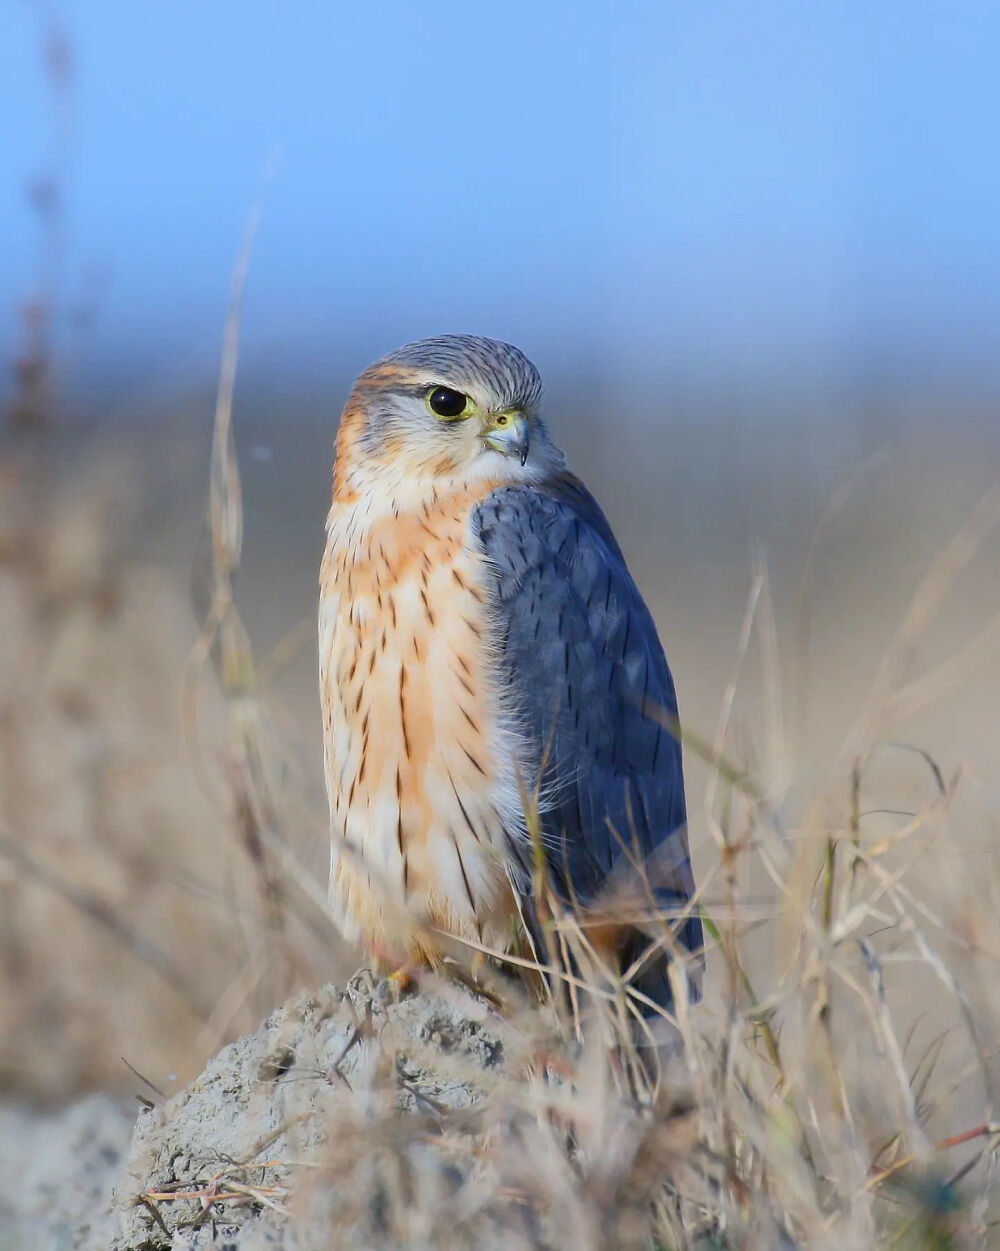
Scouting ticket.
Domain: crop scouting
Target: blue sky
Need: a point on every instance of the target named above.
(753, 195)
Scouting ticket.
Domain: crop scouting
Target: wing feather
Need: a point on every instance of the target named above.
(586, 678)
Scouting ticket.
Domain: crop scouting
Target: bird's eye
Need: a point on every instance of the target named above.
(449, 404)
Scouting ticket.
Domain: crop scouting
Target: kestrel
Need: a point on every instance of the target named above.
(484, 649)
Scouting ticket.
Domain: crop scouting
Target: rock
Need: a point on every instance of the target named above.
(354, 1122)
(266, 1150)
(56, 1174)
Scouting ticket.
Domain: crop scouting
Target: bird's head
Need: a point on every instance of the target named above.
(455, 407)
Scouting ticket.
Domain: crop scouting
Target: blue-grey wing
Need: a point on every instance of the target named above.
(586, 677)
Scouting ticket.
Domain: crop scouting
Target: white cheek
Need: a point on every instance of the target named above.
(461, 437)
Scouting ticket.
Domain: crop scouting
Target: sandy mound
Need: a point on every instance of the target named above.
(277, 1144)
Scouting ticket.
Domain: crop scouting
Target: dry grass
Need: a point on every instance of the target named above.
(797, 1109)
(129, 901)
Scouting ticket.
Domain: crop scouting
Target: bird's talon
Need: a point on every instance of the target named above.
(398, 984)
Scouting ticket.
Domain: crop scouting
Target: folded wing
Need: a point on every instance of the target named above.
(584, 674)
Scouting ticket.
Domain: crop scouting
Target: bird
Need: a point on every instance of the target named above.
(495, 699)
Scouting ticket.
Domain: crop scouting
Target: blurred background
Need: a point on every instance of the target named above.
(754, 249)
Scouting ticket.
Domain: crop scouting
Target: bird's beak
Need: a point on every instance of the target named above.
(508, 433)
